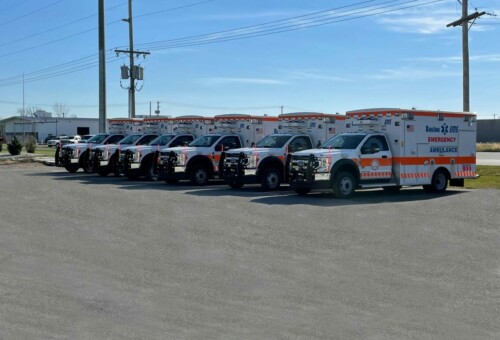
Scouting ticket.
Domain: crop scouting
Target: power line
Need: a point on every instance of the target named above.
(17, 3)
(290, 24)
(262, 30)
(88, 30)
(30, 13)
(58, 27)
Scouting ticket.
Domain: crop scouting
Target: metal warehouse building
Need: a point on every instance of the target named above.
(43, 124)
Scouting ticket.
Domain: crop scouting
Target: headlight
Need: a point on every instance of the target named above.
(251, 161)
(104, 155)
(182, 159)
(322, 164)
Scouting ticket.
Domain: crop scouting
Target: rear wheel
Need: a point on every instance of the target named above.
(439, 182)
(344, 185)
(271, 179)
(199, 175)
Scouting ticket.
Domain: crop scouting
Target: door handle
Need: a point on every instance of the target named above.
(384, 156)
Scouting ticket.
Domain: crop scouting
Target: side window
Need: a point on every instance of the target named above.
(181, 141)
(229, 143)
(147, 139)
(299, 144)
(375, 144)
(114, 139)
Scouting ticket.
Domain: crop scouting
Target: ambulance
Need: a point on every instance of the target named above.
(142, 160)
(201, 159)
(267, 161)
(391, 148)
(159, 125)
(125, 126)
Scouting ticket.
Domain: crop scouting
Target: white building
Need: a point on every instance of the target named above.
(42, 124)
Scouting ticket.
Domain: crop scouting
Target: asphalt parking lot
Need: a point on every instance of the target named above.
(88, 257)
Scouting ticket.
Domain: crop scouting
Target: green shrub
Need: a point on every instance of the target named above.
(14, 147)
(30, 144)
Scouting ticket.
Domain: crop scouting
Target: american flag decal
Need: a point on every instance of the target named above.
(410, 128)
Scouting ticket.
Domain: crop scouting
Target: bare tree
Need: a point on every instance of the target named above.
(60, 110)
(28, 111)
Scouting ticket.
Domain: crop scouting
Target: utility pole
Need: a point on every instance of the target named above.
(102, 69)
(464, 22)
(24, 135)
(133, 71)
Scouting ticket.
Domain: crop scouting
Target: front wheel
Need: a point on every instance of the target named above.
(199, 175)
(113, 166)
(271, 179)
(151, 174)
(88, 165)
(72, 167)
(344, 185)
(57, 158)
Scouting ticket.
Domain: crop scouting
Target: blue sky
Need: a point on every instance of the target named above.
(357, 58)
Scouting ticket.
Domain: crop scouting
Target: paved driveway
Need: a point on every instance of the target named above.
(87, 257)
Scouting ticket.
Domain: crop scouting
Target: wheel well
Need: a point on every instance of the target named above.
(346, 166)
(147, 158)
(445, 171)
(82, 157)
(200, 160)
(271, 162)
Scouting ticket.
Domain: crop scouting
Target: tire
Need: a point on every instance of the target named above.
(112, 166)
(72, 167)
(151, 174)
(57, 159)
(439, 182)
(199, 175)
(88, 166)
(344, 185)
(302, 191)
(270, 180)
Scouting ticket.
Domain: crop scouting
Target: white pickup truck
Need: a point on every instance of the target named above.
(56, 141)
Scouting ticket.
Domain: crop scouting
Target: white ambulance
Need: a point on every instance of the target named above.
(143, 160)
(201, 159)
(391, 148)
(267, 161)
(159, 125)
(125, 126)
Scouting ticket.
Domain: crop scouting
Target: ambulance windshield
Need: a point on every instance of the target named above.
(343, 142)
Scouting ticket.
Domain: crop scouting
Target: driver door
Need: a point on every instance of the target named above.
(375, 160)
